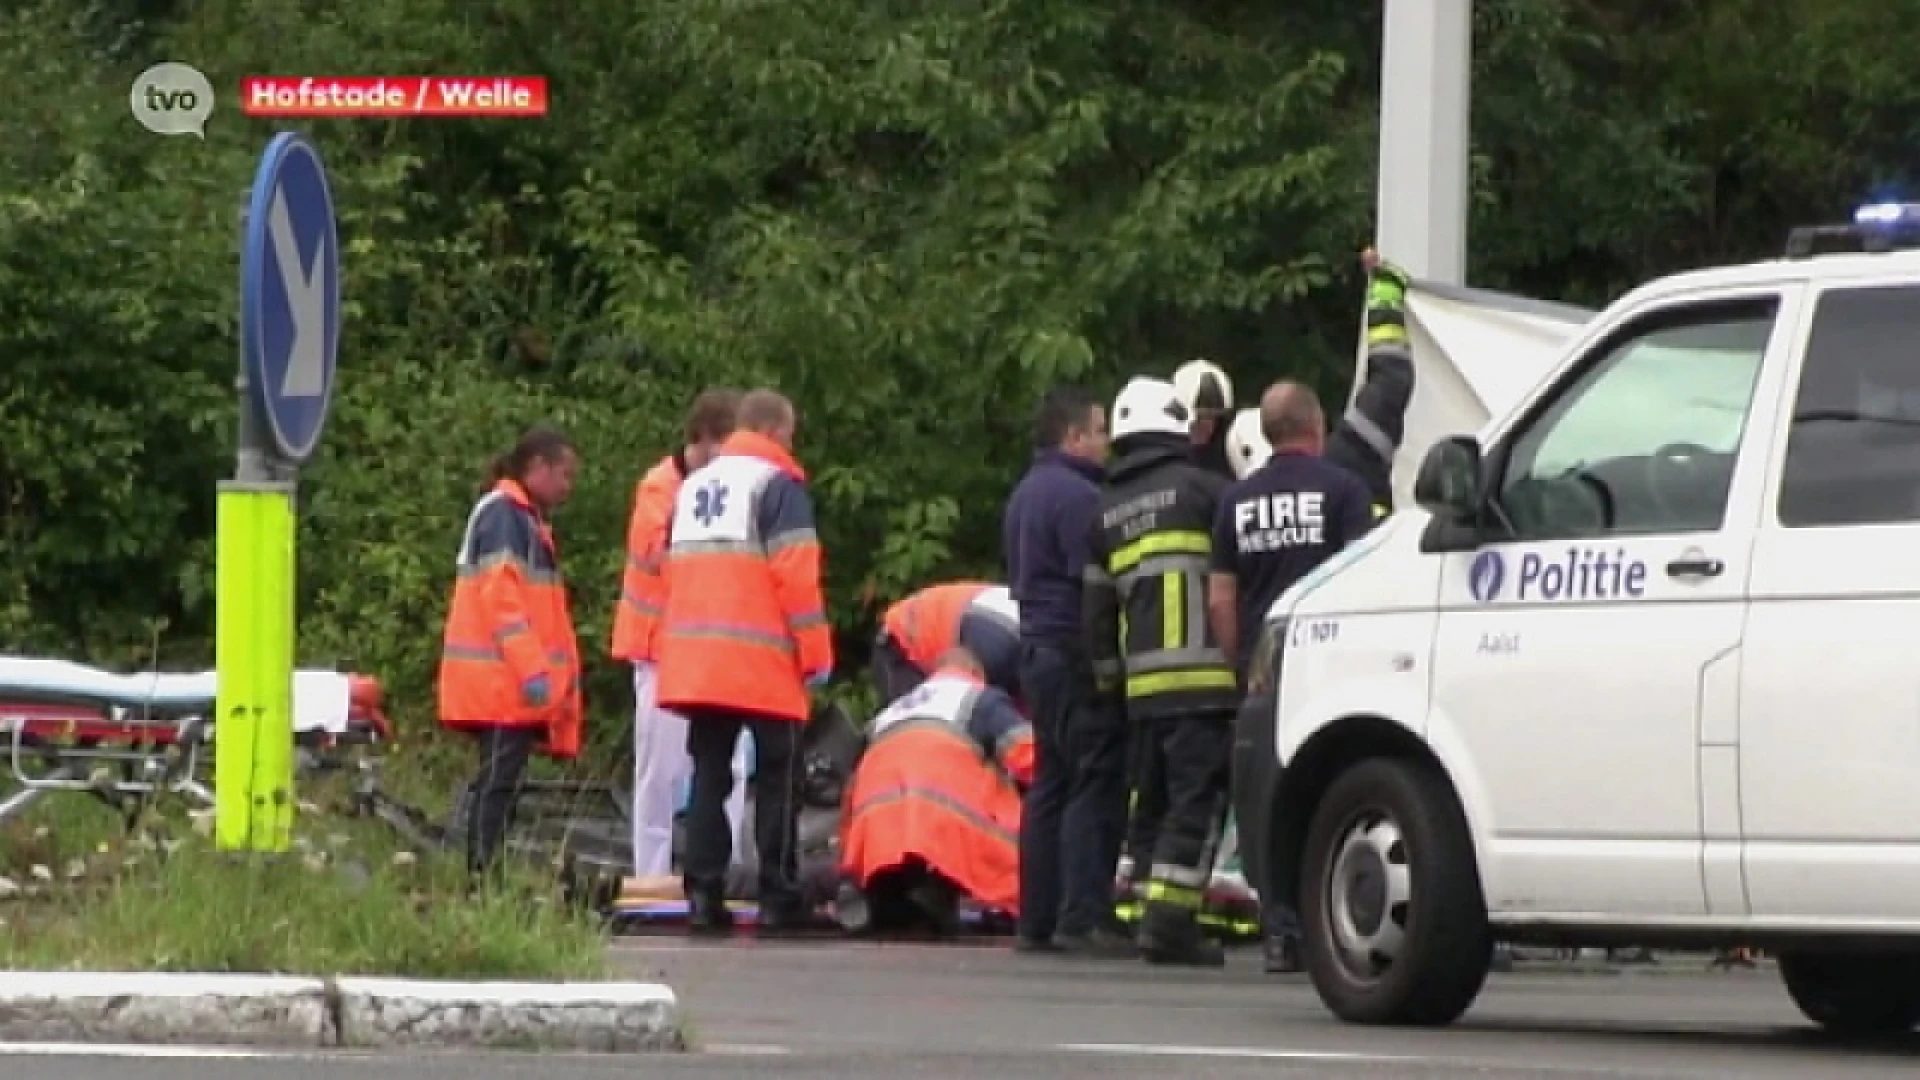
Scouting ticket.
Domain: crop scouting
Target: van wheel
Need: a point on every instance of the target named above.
(1394, 925)
(1855, 996)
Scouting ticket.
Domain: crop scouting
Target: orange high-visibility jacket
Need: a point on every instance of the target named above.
(745, 623)
(509, 622)
(976, 614)
(643, 589)
(940, 782)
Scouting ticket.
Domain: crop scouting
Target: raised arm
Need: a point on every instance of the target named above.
(1369, 434)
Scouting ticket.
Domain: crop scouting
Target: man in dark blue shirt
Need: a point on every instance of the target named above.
(1273, 528)
(1282, 521)
(1074, 815)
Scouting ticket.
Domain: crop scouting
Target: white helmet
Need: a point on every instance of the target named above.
(1149, 407)
(1247, 446)
(1195, 378)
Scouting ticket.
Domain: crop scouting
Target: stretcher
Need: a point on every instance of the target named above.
(72, 727)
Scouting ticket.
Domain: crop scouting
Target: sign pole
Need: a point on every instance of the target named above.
(289, 340)
(1426, 71)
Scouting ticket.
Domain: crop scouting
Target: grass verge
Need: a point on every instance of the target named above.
(349, 900)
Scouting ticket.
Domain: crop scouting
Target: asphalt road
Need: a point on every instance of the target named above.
(845, 1012)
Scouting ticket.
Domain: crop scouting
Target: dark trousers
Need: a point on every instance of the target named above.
(1074, 816)
(778, 763)
(1181, 809)
(490, 796)
(1147, 772)
(893, 674)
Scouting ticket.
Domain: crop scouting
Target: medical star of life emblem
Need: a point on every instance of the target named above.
(710, 502)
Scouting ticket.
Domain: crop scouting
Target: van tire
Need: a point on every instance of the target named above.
(1855, 996)
(1391, 828)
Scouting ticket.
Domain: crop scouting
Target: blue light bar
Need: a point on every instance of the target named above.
(1887, 213)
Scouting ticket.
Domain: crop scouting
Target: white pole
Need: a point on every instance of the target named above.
(1426, 62)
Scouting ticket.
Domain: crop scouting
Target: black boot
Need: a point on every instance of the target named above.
(707, 912)
(1171, 934)
(1280, 954)
(939, 902)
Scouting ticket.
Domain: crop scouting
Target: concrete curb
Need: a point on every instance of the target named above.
(86, 1006)
(610, 1017)
(287, 1012)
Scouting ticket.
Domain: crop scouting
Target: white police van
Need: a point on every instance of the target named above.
(1643, 667)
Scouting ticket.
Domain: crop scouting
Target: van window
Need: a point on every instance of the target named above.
(1644, 440)
(1853, 450)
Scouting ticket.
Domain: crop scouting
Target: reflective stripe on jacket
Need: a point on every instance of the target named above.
(1368, 436)
(926, 624)
(975, 614)
(937, 785)
(636, 618)
(1145, 599)
(745, 622)
(509, 622)
(983, 713)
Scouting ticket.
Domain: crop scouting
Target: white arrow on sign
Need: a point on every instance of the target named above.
(307, 298)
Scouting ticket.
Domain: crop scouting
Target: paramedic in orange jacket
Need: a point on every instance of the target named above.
(509, 662)
(743, 639)
(919, 629)
(933, 811)
(661, 765)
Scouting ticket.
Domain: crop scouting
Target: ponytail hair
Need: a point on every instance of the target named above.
(538, 443)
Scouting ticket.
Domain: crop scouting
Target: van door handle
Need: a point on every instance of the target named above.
(1695, 567)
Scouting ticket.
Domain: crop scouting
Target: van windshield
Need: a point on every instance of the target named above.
(1654, 389)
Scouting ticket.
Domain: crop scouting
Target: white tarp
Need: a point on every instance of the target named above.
(1475, 354)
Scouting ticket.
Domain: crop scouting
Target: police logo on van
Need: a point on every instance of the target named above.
(1486, 575)
(1573, 573)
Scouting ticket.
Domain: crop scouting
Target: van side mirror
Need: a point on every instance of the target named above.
(1450, 479)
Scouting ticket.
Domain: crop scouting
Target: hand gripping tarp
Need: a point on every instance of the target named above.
(1476, 353)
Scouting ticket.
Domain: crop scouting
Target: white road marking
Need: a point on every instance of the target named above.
(126, 1050)
(744, 1049)
(1251, 1053)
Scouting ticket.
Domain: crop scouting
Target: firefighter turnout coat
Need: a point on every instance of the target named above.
(1145, 595)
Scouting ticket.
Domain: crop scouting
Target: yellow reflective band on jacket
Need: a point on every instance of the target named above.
(1172, 542)
(1170, 682)
(1173, 611)
(1380, 511)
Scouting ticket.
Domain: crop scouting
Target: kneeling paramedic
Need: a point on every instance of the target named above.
(920, 628)
(1147, 633)
(933, 812)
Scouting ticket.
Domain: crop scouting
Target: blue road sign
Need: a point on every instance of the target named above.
(290, 296)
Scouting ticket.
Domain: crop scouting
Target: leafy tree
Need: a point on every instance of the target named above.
(912, 217)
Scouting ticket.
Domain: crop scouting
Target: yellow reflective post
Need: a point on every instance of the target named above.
(253, 658)
(289, 341)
